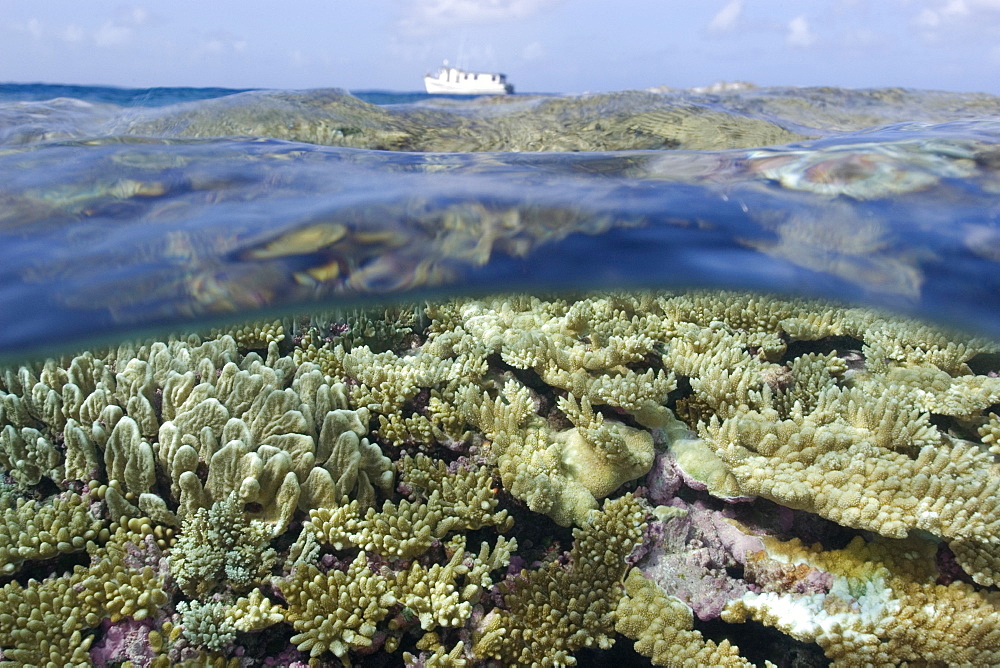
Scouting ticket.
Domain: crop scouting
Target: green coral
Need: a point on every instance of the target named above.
(221, 546)
(551, 612)
(49, 622)
(30, 530)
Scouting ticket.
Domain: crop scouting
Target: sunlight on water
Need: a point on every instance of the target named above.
(120, 219)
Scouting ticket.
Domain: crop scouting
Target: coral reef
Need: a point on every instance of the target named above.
(509, 480)
(661, 626)
(883, 608)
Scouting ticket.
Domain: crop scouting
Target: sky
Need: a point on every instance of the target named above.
(555, 46)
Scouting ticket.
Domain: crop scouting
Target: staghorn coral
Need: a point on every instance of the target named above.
(336, 611)
(443, 501)
(339, 610)
(582, 349)
(47, 622)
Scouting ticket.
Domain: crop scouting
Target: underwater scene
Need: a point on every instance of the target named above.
(314, 378)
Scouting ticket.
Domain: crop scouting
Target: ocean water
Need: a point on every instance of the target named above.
(130, 211)
(134, 213)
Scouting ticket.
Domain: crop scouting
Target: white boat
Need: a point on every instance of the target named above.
(454, 81)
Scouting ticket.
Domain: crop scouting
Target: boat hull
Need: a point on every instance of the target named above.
(453, 81)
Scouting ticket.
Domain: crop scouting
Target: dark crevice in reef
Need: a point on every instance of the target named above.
(953, 426)
(682, 391)
(44, 489)
(759, 643)
(824, 346)
(538, 537)
(41, 569)
(622, 654)
(985, 363)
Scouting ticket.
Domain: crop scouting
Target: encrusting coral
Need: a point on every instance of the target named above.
(509, 479)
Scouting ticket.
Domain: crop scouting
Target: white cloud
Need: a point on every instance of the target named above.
(122, 29)
(533, 51)
(138, 15)
(927, 18)
(112, 33)
(799, 32)
(424, 16)
(953, 11)
(72, 33)
(726, 18)
(32, 27)
(212, 46)
(299, 58)
(219, 43)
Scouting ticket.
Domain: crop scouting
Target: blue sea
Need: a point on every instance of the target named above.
(128, 211)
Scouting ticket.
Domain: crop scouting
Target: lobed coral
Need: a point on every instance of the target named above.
(326, 490)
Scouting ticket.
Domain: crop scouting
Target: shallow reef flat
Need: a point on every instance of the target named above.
(656, 478)
(276, 201)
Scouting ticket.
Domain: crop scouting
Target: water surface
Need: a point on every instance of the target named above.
(133, 211)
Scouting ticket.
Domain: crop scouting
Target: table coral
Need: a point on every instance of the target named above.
(884, 607)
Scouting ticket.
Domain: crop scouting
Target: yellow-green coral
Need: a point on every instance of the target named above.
(559, 473)
(31, 530)
(582, 348)
(876, 423)
(47, 622)
(336, 611)
(553, 611)
(446, 501)
(662, 626)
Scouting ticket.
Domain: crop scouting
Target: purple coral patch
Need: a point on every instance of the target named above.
(127, 640)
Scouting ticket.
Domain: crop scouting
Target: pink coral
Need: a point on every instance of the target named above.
(704, 557)
(127, 640)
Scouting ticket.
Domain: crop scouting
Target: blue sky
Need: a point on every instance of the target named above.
(542, 45)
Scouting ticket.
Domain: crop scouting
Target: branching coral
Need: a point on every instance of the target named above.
(340, 610)
(221, 545)
(46, 623)
(551, 612)
(662, 626)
